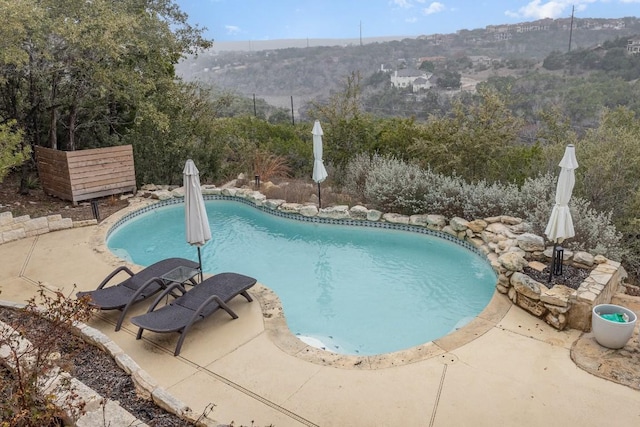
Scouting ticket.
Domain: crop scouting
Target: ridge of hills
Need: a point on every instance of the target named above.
(313, 71)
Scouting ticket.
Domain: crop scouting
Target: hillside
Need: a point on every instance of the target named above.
(310, 73)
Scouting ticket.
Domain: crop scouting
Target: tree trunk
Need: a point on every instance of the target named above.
(73, 117)
(53, 125)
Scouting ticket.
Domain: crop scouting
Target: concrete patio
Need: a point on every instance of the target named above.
(506, 368)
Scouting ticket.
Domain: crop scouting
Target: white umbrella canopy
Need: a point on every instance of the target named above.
(319, 171)
(560, 225)
(198, 231)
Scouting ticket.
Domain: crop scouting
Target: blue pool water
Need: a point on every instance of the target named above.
(357, 290)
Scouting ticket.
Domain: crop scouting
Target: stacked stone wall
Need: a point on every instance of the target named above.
(15, 228)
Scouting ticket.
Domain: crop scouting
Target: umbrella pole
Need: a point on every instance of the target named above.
(319, 200)
(200, 263)
(553, 262)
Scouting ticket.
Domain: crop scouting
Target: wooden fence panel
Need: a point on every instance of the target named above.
(86, 174)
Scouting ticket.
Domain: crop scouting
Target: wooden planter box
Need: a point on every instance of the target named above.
(86, 174)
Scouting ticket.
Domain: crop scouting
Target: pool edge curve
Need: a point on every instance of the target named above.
(280, 335)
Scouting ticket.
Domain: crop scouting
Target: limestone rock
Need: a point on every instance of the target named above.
(309, 210)
(273, 203)
(9, 236)
(229, 192)
(178, 192)
(257, 198)
(517, 250)
(358, 212)
(499, 228)
(532, 306)
(526, 286)
(436, 221)
(211, 189)
(459, 224)
(559, 295)
(334, 212)
(396, 218)
(290, 207)
(6, 218)
(36, 224)
(447, 229)
(600, 259)
(374, 215)
(584, 258)
(61, 224)
(530, 242)
(512, 261)
(420, 220)
(492, 219)
(523, 227)
(510, 220)
(477, 225)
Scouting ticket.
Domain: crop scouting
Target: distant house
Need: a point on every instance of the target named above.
(633, 45)
(421, 83)
(480, 60)
(411, 78)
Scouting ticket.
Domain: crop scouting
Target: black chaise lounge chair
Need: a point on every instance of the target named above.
(197, 303)
(135, 288)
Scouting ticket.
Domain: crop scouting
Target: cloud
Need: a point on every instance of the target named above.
(434, 7)
(411, 20)
(539, 9)
(232, 29)
(404, 4)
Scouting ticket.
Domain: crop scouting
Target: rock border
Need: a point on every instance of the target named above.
(16, 228)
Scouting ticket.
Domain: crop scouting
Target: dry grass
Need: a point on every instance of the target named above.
(300, 191)
(269, 166)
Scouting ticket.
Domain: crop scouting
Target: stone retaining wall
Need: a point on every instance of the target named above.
(24, 226)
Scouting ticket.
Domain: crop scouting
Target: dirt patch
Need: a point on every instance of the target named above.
(38, 204)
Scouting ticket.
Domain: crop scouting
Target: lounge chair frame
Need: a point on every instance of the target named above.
(206, 308)
(139, 291)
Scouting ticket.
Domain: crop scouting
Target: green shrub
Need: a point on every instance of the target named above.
(392, 185)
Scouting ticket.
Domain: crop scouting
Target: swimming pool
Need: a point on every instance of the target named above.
(351, 290)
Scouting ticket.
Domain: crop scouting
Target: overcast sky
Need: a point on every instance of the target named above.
(233, 20)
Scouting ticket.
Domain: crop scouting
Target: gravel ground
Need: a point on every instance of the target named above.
(571, 276)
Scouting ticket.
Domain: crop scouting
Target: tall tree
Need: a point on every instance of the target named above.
(85, 73)
(471, 141)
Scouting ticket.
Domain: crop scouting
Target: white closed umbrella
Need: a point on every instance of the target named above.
(560, 225)
(319, 171)
(195, 214)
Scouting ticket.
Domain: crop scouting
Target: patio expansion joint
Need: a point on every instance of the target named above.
(257, 397)
(26, 261)
(437, 401)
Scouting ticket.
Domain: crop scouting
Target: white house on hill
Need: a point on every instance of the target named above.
(415, 79)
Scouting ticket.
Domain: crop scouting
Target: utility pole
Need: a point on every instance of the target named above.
(360, 33)
(573, 8)
(293, 120)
